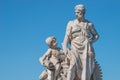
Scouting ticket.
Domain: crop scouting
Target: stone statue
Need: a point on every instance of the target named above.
(77, 62)
(52, 58)
(80, 34)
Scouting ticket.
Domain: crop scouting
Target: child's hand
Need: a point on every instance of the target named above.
(51, 66)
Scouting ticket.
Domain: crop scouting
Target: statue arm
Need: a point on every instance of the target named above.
(67, 38)
(94, 33)
(62, 55)
(46, 55)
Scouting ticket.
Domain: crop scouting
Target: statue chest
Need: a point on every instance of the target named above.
(80, 30)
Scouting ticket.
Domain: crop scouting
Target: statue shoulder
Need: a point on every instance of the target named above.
(49, 51)
(70, 23)
(58, 48)
(89, 23)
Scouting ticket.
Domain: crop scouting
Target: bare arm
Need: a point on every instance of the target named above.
(67, 37)
(43, 58)
(94, 33)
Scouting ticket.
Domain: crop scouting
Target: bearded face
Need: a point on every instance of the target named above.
(79, 13)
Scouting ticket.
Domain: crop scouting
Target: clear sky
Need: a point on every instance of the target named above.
(25, 24)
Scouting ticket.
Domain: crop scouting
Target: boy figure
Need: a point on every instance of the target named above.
(52, 58)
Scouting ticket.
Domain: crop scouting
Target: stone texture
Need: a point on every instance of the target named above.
(77, 62)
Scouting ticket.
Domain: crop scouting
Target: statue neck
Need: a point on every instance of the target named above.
(81, 20)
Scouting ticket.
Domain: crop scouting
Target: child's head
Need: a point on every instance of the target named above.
(51, 42)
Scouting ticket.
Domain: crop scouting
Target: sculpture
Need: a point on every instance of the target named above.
(77, 62)
(52, 58)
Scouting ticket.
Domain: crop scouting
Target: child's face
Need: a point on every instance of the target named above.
(54, 43)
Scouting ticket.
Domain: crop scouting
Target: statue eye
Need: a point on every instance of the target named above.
(53, 41)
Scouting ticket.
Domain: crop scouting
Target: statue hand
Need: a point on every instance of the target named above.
(91, 41)
(65, 51)
(51, 66)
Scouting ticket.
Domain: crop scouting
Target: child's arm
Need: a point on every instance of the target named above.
(61, 52)
(62, 55)
(46, 55)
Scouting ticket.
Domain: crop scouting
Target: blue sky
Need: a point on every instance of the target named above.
(25, 24)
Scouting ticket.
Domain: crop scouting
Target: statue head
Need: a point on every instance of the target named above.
(51, 41)
(80, 11)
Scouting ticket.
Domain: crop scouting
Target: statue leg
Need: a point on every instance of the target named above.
(57, 70)
(87, 67)
(91, 61)
(50, 74)
(71, 73)
(86, 63)
(91, 65)
(83, 75)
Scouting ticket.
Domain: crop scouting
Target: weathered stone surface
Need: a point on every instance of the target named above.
(77, 62)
